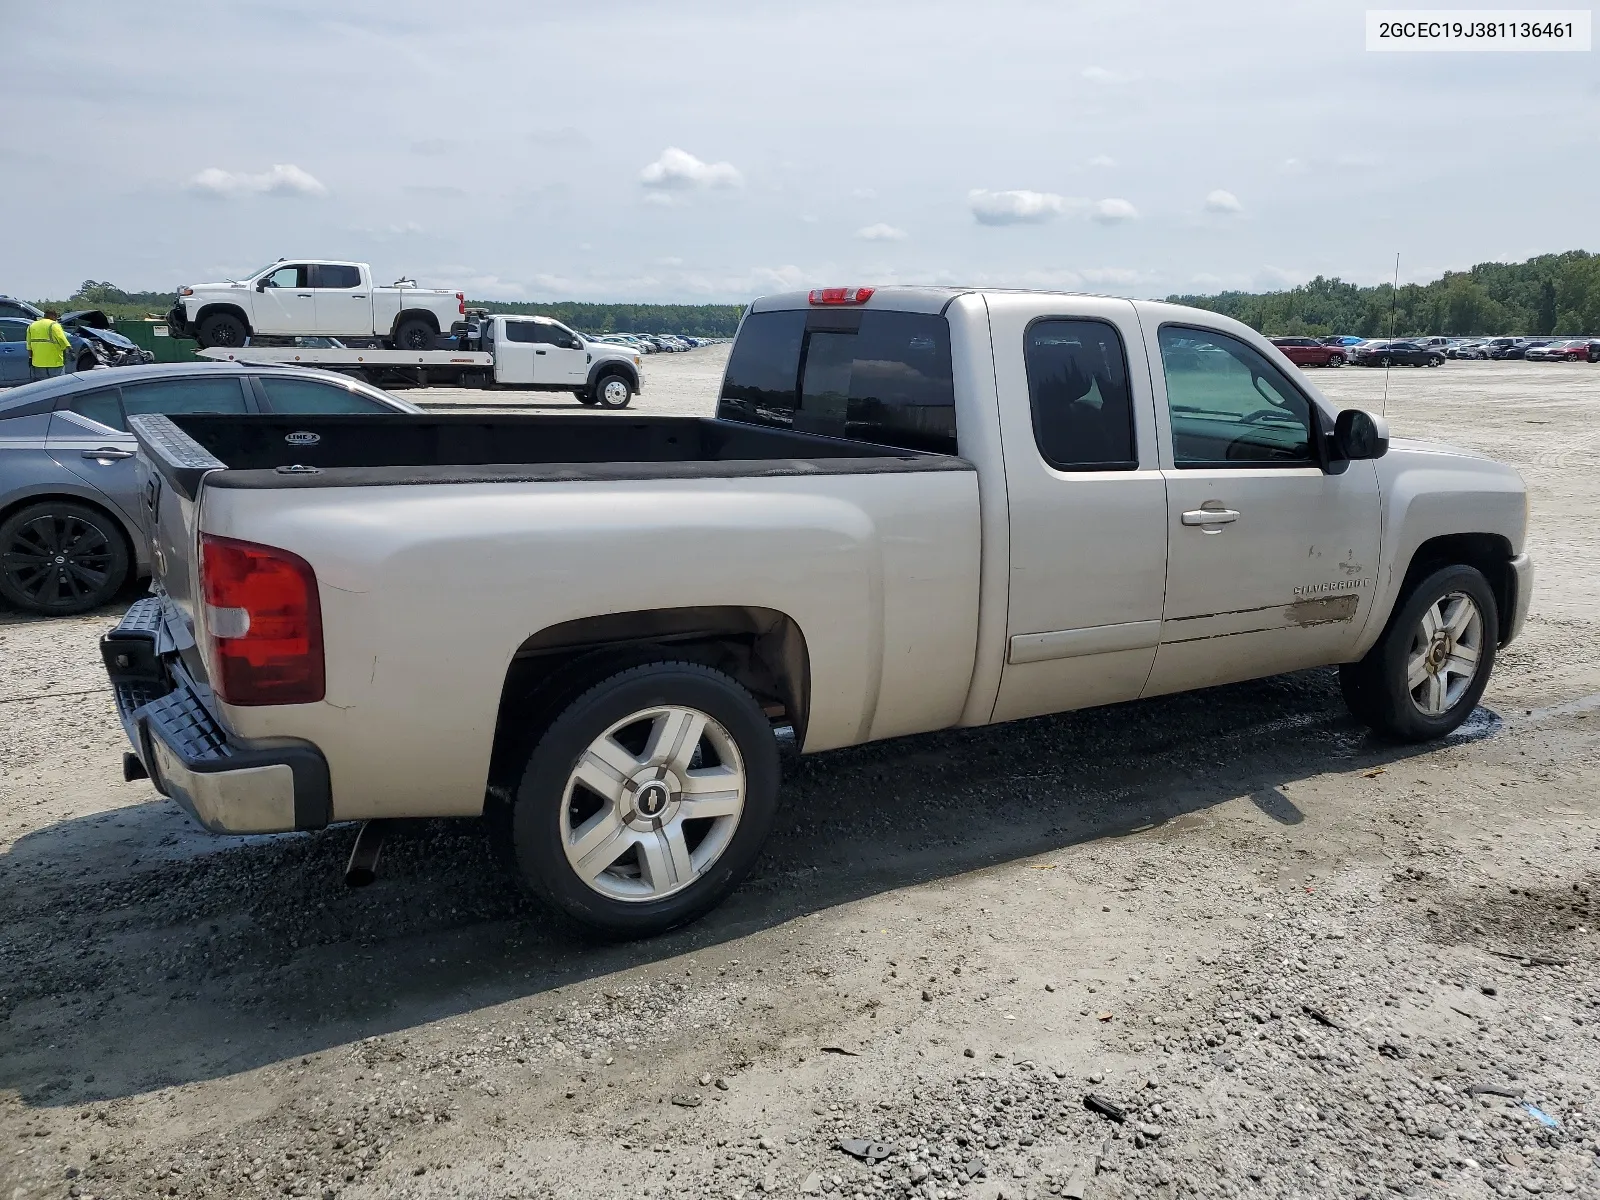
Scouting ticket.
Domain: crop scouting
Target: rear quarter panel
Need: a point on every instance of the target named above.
(428, 591)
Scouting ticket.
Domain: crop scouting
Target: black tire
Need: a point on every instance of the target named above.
(1336, 360)
(1435, 361)
(87, 362)
(586, 398)
(415, 333)
(222, 329)
(535, 819)
(1376, 688)
(612, 390)
(58, 558)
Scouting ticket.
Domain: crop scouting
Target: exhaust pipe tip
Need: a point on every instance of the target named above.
(362, 870)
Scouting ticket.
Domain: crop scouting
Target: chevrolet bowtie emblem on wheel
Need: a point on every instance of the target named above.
(302, 437)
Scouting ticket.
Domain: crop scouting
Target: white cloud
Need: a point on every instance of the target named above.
(1020, 207)
(1101, 75)
(881, 233)
(663, 199)
(1113, 211)
(865, 193)
(678, 170)
(284, 179)
(1295, 166)
(671, 260)
(1219, 201)
(808, 218)
(1102, 160)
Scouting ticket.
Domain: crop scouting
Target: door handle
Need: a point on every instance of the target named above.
(358, 297)
(538, 351)
(304, 295)
(109, 452)
(1210, 516)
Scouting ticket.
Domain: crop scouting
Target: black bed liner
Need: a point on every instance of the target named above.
(270, 451)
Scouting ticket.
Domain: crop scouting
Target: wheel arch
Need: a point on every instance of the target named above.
(1490, 553)
(138, 557)
(214, 307)
(765, 650)
(619, 366)
(405, 314)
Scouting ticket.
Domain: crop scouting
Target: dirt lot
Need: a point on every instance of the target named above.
(1287, 954)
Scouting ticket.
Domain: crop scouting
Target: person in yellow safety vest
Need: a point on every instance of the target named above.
(47, 346)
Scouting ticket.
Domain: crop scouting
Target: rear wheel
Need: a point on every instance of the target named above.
(646, 798)
(414, 333)
(58, 558)
(222, 329)
(1430, 667)
(586, 398)
(613, 391)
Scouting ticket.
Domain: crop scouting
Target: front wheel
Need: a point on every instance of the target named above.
(1430, 667)
(222, 329)
(1336, 360)
(646, 799)
(613, 391)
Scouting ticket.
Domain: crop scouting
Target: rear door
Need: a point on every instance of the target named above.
(13, 351)
(1271, 559)
(343, 306)
(89, 430)
(287, 304)
(1087, 502)
(514, 348)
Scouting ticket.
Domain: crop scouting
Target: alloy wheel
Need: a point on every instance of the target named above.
(652, 803)
(58, 560)
(1444, 653)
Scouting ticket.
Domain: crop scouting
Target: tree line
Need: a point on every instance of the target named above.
(1549, 294)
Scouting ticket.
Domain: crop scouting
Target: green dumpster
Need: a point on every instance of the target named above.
(155, 337)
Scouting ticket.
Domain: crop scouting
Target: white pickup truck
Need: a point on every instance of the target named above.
(916, 508)
(314, 297)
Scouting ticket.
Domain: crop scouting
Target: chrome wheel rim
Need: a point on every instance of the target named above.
(1445, 649)
(59, 560)
(615, 393)
(652, 803)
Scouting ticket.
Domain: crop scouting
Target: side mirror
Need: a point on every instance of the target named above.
(261, 285)
(1357, 434)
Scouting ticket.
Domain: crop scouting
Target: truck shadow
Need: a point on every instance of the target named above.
(145, 954)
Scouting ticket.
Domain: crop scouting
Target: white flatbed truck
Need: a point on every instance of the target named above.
(501, 351)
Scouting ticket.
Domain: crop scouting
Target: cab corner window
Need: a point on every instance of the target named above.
(101, 407)
(287, 394)
(1078, 392)
(1230, 406)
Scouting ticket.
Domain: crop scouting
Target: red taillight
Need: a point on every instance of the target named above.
(859, 295)
(461, 303)
(265, 622)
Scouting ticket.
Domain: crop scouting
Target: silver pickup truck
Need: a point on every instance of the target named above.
(916, 508)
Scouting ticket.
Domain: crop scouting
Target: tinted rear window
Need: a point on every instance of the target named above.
(874, 376)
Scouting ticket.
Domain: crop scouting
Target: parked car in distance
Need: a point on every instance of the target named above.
(1309, 352)
(1469, 349)
(71, 528)
(873, 538)
(317, 297)
(106, 347)
(1569, 350)
(1399, 353)
(1515, 347)
(15, 362)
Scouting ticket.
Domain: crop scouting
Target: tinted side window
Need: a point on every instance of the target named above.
(289, 395)
(188, 395)
(325, 276)
(521, 331)
(1229, 405)
(101, 407)
(13, 331)
(1078, 389)
(873, 376)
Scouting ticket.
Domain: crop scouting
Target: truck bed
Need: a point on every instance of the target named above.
(265, 451)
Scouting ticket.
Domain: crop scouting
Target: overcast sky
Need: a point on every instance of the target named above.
(711, 152)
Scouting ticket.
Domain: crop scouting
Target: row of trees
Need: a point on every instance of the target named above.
(1550, 294)
(697, 320)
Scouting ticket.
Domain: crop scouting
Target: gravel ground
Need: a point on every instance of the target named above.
(1282, 959)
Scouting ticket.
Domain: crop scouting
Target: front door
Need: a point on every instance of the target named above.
(14, 361)
(287, 304)
(560, 358)
(1271, 558)
(1087, 503)
(343, 306)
